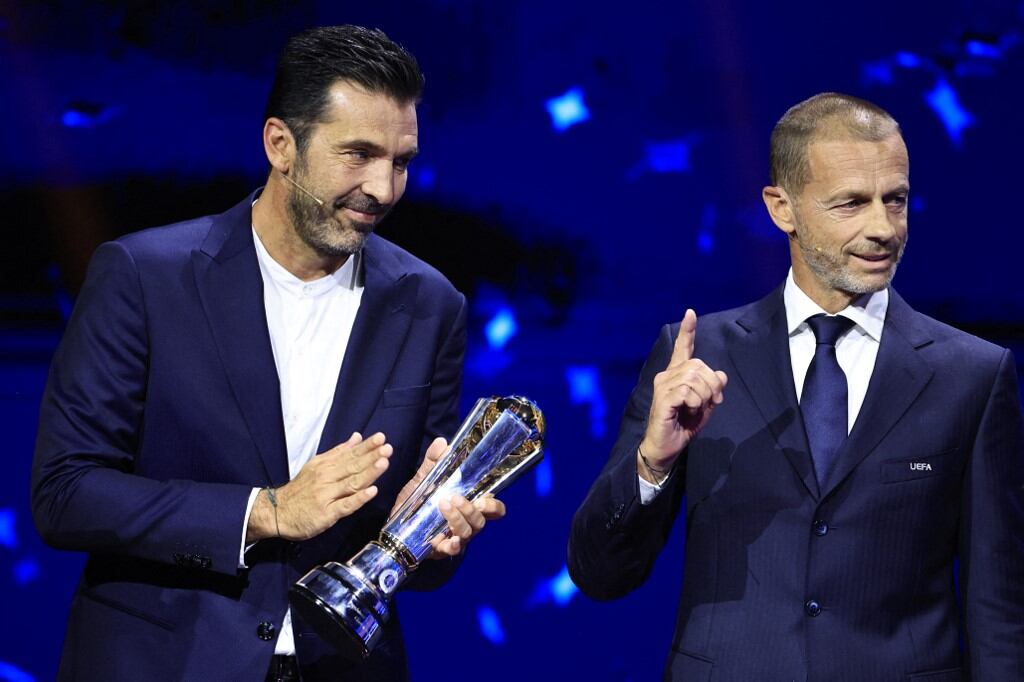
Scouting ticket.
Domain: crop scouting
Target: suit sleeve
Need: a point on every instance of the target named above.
(615, 539)
(85, 492)
(992, 535)
(443, 420)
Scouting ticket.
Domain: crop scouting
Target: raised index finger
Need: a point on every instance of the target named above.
(683, 348)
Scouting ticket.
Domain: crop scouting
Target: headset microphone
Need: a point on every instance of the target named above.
(305, 191)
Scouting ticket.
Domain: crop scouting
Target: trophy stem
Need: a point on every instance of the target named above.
(348, 603)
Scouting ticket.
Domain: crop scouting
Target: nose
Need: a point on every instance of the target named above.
(379, 182)
(882, 224)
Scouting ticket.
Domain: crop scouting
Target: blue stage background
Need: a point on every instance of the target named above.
(587, 173)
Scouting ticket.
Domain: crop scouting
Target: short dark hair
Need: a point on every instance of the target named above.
(312, 61)
(823, 115)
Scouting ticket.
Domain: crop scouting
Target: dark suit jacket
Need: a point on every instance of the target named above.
(932, 470)
(162, 412)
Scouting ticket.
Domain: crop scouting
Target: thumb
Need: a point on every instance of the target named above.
(436, 449)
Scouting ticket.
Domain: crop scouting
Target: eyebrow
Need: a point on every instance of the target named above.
(372, 147)
(849, 193)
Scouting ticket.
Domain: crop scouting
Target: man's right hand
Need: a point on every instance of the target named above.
(332, 485)
(685, 395)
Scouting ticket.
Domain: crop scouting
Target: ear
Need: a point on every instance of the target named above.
(279, 144)
(780, 207)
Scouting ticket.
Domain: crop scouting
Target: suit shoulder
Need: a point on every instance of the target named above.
(436, 284)
(176, 240)
(719, 324)
(952, 343)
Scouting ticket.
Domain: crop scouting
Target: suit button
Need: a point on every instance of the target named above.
(812, 608)
(265, 631)
(820, 528)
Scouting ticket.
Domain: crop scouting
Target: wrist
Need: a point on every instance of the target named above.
(655, 472)
(659, 458)
(262, 524)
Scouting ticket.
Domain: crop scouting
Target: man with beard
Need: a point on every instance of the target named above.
(208, 362)
(839, 453)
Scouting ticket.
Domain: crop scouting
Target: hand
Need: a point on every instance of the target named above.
(685, 395)
(329, 487)
(465, 519)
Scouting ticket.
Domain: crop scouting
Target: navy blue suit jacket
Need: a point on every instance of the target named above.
(162, 412)
(932, 470)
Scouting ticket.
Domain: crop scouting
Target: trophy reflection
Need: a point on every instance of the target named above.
(347, 604)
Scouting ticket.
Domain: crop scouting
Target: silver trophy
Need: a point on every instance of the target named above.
(347, 604)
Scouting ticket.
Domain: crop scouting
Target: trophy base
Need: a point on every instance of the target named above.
(340, 607)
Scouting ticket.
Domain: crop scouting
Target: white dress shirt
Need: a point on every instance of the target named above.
(856, 349)
(310, 324)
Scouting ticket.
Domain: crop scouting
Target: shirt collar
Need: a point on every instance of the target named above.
(867, 311)
(346, 277)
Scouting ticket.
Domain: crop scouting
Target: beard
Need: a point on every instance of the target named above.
(831, 265)
(319, 228)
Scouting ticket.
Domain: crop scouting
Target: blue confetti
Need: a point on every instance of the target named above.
(486, 362)
(705, 242)
(568, 109)
(706, 235)
(877, 72)
(672, 156)
(501, 328)
(563, 589)
(558, 590)
(26, 571)
(582, 384)
(490, 625)
(11, 673)
(76, 119)
(943, 100)
(978, 48)
(8, 535)
(86, 115)
(584, 389)
(908, 60)
(543, 478)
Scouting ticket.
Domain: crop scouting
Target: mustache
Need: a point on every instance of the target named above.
(870, 249)
(363, 204)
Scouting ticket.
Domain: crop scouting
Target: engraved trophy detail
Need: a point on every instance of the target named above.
(347, 604)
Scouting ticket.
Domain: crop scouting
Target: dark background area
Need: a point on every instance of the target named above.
(586, 174)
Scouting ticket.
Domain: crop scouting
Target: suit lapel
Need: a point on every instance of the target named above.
(761, 358)
(898, 378)
(378, 335)
(230, 288)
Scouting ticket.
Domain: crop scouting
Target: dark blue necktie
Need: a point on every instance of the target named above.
(823, 401)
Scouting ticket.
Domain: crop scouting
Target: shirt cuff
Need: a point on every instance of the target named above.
(649, 491)
(243, 548)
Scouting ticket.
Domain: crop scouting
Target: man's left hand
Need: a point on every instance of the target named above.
(465, 519)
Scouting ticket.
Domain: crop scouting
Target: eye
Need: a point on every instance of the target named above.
(402, 164)
(899, 200)
(851, 203)
(358, 155)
